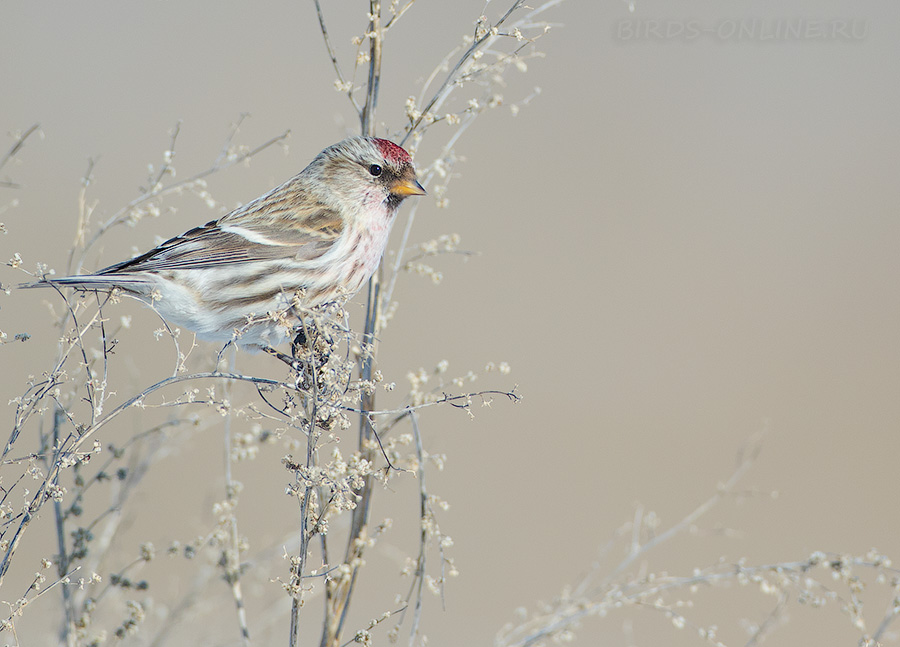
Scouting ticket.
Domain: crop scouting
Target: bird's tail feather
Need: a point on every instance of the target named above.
(91, 282)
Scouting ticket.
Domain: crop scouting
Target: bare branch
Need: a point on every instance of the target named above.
(16, 147)
(347, 87)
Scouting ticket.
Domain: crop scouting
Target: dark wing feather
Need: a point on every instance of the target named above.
(213, 246)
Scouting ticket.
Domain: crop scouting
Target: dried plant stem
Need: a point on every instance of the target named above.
(745, 461)
(35, 395)
(587, 597)
(334, 61)
(890, 615)
(399, 14)
(306, 533)
(447, 86)
(375, 34)
(13, 151)
(69, 446)
(232, 553)
(419, 576)
(62, 561)
(338, 599)
(463, 69)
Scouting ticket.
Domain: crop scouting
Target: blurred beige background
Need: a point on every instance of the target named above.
(683, 241)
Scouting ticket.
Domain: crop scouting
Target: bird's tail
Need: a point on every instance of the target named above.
(93, 282)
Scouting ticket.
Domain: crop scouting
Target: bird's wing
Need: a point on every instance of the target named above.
(229, 240)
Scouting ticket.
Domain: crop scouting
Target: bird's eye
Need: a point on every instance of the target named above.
(375, 170)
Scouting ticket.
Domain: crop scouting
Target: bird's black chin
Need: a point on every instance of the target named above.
(393, 201)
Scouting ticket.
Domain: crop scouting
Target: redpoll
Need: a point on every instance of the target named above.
(315, 239)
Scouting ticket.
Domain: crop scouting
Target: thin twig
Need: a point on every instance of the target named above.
(398, 15)
(419, 577)
(747, 458)
(17, 146)
(375, 34)
(312, 436)
(334, 61)
(72, 444)
(450, 81)
(767, 625)
(890, 615)
(63, 559)
(232, 553)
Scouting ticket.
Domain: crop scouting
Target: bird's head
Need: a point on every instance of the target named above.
(369, 171)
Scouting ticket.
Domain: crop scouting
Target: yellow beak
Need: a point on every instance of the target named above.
(407, 187)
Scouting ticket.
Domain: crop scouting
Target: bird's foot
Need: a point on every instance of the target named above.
(294, 363)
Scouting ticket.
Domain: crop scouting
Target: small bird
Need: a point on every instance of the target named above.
(315, 239)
